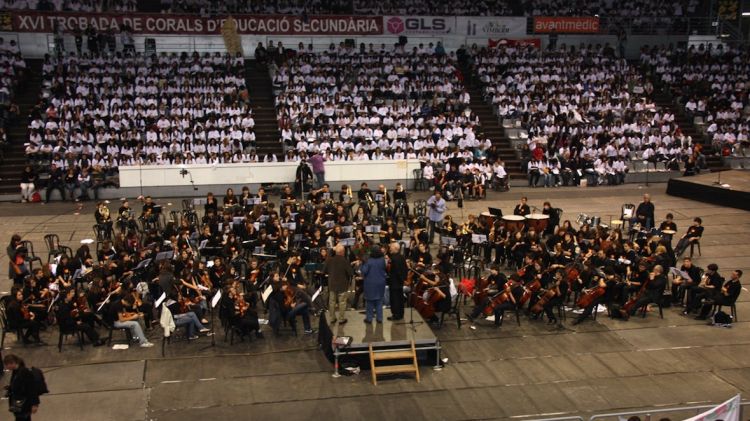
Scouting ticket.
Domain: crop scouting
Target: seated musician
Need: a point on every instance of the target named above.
(560, 288)
(365, 198)
(125, 319)
(246, 194)
(21, 318)
(522, 209)
(503, 300)
(712, 281)
(726, 296)
(692, 235)
(554, 218)
(382, 200)
(668, 223)
(242, 314)
(103, 219)
(37, 294)
(681, 286)
(596, 285)
(211, 204)
(345, 196)
(218, 272)
(421, 257)
(70, 315)
(449, 228)
(230, 200)
(287, 302)
(653, 293)
(148, 211)
(125, 220)
(644, 213)
(399, 199)
(287, 196)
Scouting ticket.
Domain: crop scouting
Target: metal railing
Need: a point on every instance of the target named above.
(688, 411)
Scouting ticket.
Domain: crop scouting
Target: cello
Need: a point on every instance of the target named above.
(424, 297)
(631, 303)
(588, 297)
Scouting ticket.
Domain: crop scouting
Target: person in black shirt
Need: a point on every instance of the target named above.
(522, 209)
(693, 234)
(211, 204)
(69, 319)
(712, 281)
(21, 388)
(680, 285)
(396, 277)
(55, 182)
(668, 224)
(654, 290)
(644, 213)
(554, 218)
(726, 296)
(20, 318)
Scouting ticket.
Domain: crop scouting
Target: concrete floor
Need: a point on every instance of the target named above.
(531, 371)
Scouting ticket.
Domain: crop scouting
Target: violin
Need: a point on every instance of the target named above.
(241, 305)
(288, 297)
(27, 314)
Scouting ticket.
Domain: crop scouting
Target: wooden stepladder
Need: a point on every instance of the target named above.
(394, 354)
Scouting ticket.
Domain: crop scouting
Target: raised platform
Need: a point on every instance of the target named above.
(726, 188)
(387, 335)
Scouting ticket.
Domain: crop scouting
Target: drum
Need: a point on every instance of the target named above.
(616, 223)
(514, 222)
(487, 219)
(537, 221)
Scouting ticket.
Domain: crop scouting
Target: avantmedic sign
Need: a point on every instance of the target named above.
(566, 24)
(195, 25)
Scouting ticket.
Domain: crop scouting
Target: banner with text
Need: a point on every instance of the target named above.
(23, 21)
(728, 411)
(416, 25)
(566, 24)
(509, 42)
(491, 26)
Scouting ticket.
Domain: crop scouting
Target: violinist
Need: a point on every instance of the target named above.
(654, 289)
(218, 272)
(294, 302)
(20, 317)
(244, 317)
(504, 300)
(70, 318)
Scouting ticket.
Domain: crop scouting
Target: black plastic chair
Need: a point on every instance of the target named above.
(54, 248)
(31, 257)
(732, 310)
(692, 246)
(64, 333)
(454, 311)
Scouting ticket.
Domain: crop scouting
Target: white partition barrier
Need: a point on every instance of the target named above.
(278, 172)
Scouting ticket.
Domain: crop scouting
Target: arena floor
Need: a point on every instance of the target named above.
(526, 372)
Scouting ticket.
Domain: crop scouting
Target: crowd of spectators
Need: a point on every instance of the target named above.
(439, 8)
(382, 102)
(71, 5)
(712, 84)
(12, 69)
(100, 113)
(586, 114)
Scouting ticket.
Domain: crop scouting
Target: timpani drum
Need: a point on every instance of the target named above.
(537, 221)
(487, 219)
(514, 222)
(616, 223)
(668, 234)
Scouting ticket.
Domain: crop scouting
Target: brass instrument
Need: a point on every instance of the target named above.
(104, 212)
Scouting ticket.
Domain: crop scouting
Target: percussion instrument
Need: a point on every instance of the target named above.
(669, 232)
(537, 221)
(487, 219)
(514, 222)
(87, 241)
(616, 223)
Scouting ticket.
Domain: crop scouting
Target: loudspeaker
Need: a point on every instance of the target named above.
(349, 42)
(402, 40)
(150, 46)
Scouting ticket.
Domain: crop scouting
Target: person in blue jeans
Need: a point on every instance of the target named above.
(193, 325)
(374, 273)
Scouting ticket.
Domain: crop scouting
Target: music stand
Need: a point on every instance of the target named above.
(347, 229)
(291, 226)
(448, 241)
(496, 212)
(372, 229)
(347, 242)
(478, 238)
(165, 255)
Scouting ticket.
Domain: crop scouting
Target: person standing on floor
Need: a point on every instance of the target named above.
(373, 271)
(23, 397)
(339, 272)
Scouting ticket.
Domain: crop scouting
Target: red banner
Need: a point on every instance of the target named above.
(534, 42)
(565, 25)
(142, 23)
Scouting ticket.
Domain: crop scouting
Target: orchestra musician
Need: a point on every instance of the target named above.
(692, 235)
(681, 286)
(522, 208)
(505, 298)
(654, 289)
(365, 198)
(103, 220)
(70, 318)
(644, 213)
(20, 317)
(726, 296)
(382, 201)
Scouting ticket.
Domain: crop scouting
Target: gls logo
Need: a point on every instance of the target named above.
(397, 25)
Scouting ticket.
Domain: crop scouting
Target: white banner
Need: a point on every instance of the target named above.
(414, 25)
(491, 27)
(728, 411)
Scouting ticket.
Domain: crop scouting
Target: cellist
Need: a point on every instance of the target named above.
(504, 300)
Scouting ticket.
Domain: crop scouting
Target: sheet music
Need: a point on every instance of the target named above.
(161, 298)
(478, 238)
(317, 293)
(215, 299)
(266, 293)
